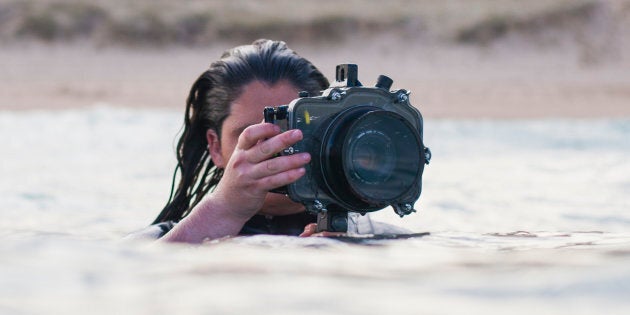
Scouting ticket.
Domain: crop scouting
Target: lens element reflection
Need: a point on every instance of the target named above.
(372, 158)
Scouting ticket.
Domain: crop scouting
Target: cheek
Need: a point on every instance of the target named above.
(227, 148)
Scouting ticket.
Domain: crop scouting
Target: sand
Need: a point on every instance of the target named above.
(508, 81)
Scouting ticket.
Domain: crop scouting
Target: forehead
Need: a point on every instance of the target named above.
(248, 108)
(259, 94)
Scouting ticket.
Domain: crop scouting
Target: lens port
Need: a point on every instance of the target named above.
(370, 158)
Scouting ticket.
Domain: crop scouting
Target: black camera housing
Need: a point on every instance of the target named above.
(366, 146)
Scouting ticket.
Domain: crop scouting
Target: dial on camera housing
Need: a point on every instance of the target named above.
(366, 146)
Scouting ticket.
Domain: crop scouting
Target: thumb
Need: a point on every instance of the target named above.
(309, 230)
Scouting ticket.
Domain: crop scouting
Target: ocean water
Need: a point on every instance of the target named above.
(525, 217)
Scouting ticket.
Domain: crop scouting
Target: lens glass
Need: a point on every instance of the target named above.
(381, 156)
(370, 157)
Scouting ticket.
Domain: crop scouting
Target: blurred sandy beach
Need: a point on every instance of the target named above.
(461, 59)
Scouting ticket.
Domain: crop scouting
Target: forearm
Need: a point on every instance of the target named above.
(209, 220)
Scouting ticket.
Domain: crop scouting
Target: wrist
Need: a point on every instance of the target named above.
(216, 212)
(210, 219)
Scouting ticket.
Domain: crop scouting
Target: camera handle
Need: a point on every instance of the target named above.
(271, 115)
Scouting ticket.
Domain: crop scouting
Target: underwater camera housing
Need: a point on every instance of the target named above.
(366, 149)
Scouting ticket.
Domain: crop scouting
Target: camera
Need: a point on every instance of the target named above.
(366, 146)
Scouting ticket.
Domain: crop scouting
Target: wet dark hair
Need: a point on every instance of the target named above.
(209, 103)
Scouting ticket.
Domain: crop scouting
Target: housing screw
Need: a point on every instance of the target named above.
(403, 97)
(335, 96)
(288, 151)
(318, 205)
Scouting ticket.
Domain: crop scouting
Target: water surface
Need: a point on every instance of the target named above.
(524, 217)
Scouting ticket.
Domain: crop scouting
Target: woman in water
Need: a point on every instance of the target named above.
(226, 155)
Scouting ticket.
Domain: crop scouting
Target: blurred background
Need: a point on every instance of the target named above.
(460, 59)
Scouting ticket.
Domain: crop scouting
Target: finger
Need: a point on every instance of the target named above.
(309, 230)
(279, 165)
(255, 133)
(268, 148)
(281, 179)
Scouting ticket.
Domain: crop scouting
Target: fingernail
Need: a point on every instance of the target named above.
(305, 156)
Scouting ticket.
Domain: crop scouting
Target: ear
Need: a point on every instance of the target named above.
(214, 148)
